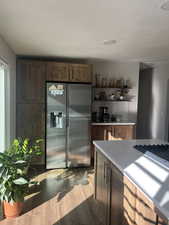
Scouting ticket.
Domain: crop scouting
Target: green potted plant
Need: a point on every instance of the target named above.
(24, 149)
(14, 180)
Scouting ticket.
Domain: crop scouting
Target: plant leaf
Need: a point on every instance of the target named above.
(19, 171)
(39, 141)
(20, 162)
(20, 181)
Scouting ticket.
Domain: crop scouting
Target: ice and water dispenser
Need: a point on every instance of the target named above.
(56, 119)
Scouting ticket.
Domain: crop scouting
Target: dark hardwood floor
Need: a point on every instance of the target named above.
(63, 197)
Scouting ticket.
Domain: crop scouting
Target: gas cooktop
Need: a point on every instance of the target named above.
(161, 151)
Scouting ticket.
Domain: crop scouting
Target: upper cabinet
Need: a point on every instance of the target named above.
(31, 76)
(64, 72)
(57, 71)
(80, 73)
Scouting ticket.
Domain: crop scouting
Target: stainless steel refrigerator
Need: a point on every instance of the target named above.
(68, 117)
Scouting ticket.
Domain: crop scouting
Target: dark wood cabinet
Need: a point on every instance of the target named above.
(100, 132)
(162, 222)
(110, 133)
(57, 71)
(120, 132)
(69, 72)
(30, 81)
(30, 120)
(80, 73)
(30, 98)
(102, 193)
(116, 197)
(121, 202)
(123, 132)
(30, 123)
(108, 191)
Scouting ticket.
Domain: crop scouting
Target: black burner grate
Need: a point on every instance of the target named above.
(161, 151)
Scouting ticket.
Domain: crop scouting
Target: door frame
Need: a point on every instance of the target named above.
(6, 104)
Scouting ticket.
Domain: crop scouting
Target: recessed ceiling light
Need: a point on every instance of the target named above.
(109, 42)
(165, 6)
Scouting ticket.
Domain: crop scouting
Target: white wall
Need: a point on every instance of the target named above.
(160, 101)
(2, 112)
(9, 57)
(127, 70)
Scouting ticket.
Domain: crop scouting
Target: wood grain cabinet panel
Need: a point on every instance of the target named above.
(129, 202)
(30, 120)
(57, 71)
(80, 73)
(102, 193)
(122, 132)
(100, 132)
(31, 76)
(116, 198)
(110, 133)
(120, 201)
(162, 222)
(30, 123)
(145, 214)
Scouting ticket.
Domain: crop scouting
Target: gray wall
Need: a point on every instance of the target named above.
(160, 101)
(145, 100)
(9, 57)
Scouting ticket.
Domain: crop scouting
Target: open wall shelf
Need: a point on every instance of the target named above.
(111, 101)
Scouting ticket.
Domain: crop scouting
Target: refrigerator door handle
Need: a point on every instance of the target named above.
(67, 142)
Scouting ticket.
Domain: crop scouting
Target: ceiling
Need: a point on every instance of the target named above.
(78, 28)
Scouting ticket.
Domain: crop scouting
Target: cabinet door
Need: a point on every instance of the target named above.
(30, 120)
(129, 202)
(80, 73)
(57, 71)
(145, 214)
(122, 132)
(110, 133)
(100, 133)
(116, 202)
(30, 123)
(102, 187)
(162, 222)
(30, 85)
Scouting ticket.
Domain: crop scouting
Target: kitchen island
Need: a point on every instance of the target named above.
(131, 187)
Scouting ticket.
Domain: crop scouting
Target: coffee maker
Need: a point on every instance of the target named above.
(103, 114)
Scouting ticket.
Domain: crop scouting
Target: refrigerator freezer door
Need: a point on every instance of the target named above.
(79, 98)
(56, 126)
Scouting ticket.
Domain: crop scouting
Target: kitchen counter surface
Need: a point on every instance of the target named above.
(149, 174)
(114, 123)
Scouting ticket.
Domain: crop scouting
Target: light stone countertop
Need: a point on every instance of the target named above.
(148, 173)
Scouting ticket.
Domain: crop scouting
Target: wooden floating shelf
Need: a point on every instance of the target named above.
(112, 88)
(111, 101)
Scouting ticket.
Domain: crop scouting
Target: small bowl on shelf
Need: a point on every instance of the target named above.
(112, 97)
